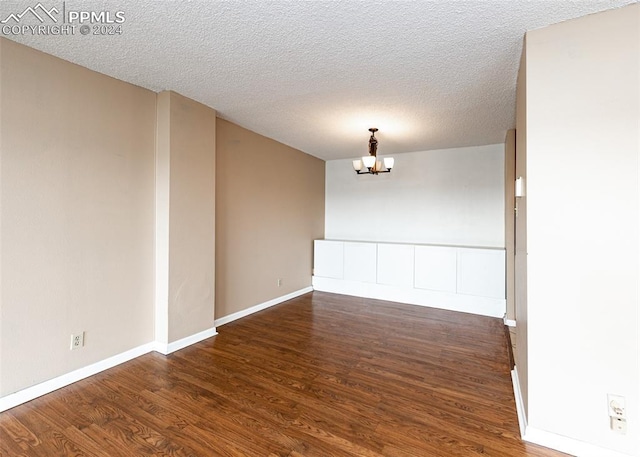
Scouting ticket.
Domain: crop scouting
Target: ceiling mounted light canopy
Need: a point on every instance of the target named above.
(372, 165)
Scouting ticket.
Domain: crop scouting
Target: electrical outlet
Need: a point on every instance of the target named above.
(77, 341)
(617, 414)
(616, 406)
(279, 282)
(619, 425)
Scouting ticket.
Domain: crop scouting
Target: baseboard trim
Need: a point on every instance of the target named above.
(568, 445)
(522, 417)
(261, 306)
(483, 306)
(551, 440)
(509, 322)
(33, 392)
(43, 388)
(168, 348)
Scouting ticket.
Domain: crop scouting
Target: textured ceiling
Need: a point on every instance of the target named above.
(316, 75)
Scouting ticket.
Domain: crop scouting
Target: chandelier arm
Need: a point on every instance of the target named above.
(374, 169)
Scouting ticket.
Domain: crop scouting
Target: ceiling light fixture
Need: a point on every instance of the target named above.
(371, 163)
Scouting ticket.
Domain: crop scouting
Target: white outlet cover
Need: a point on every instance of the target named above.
(619, 425)
(616, 406)
(77, 341)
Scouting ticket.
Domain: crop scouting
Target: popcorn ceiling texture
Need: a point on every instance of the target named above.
(315, 75)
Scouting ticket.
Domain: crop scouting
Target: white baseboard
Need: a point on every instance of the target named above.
(261, 306)
(568, 445)
(509, 322)
(166, 349)
(551, 440)
(484, 306)
(30, 393)
(33, 392)
(522, 417)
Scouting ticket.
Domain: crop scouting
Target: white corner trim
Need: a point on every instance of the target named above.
(522, 417)
(568, 445)
(166, 349)
(261, 306)
(30, 393)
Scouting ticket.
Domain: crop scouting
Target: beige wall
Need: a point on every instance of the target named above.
(583, 225)
(520, 262)
(104, 183)
(186, 152)
(270, 208)
(509, 219)
(77, 190)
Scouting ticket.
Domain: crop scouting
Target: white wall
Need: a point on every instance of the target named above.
(583, 112)
(447, 196)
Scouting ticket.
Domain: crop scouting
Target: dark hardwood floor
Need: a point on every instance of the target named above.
(320, 375)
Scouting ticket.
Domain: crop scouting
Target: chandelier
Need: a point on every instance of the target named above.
(371, 163)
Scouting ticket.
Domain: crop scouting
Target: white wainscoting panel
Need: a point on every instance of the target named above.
(360, 262)
(483, 306)
(458, 278)
(395, 264)
(436, 268)
(481, 272)
(328, 259)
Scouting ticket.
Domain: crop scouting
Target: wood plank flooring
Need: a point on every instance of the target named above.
(320, 375)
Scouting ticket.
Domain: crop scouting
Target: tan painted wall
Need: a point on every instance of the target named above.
(192, 138)
(77, 190)
(520, 261)
(509, 218)
(270, 208)
(162, 199)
